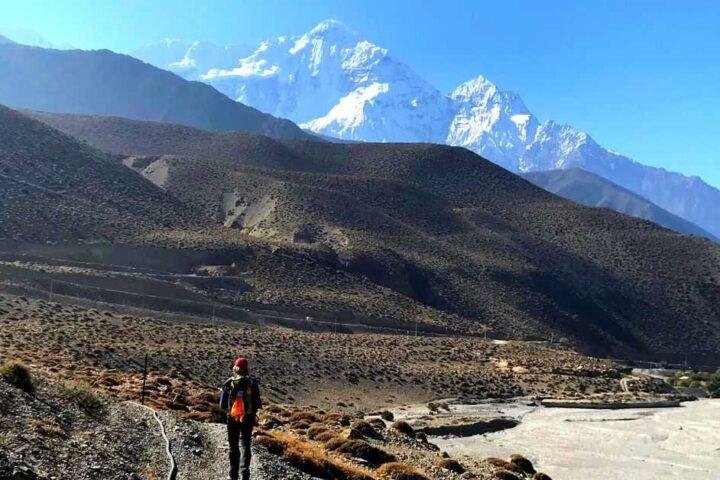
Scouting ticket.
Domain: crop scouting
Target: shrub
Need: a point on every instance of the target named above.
(366, 430)
(387, 415)
(18, 375)
(300, 425)
(399, 471)
(82, 396)
(451, 465)
(506, 475)
(362, 449)
(377, 423)
(325, 436)
(404, 428)
(307, 417)
(522, 463)
(314, 460)
(501, 464)
(272, 445)
(541, 476)
(273, 408)
(335, 443)
(315, 430)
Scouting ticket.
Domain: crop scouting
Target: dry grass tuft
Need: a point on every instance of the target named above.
(311, 458)
(500, 464)
(541, 476)
(365, 430)
(361, 449)
(522, 463)
(399, 471)
(404, 428)
(506, 475)
(451, 465)
(18, 375)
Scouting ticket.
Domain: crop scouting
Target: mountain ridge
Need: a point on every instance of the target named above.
(104, 82)
(595, 191)
(358, 91)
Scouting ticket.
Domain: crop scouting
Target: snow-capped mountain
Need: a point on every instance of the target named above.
(336, 83)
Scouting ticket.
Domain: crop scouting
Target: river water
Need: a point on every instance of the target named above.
(635, 444)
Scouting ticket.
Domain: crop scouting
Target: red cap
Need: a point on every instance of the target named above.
(241, 363)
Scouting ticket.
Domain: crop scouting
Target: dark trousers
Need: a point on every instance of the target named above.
(239, 436)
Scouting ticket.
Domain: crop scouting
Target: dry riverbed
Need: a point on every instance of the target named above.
(569, 443)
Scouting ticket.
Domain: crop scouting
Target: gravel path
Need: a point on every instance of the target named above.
(201, 453)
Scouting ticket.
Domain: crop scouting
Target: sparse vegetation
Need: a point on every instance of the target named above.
(451, 465)
(705, 380)
(83, 396)
(404, 428)
(399, 471)
(361, 449)
(311, 458)
(18, 375)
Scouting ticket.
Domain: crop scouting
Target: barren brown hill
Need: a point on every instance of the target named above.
(432, 229)
(54, 187)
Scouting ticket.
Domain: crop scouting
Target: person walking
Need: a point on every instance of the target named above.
(240, 397)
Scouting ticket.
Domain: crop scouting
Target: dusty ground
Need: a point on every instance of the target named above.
(328, 375)
(49, 435)
(189, 360)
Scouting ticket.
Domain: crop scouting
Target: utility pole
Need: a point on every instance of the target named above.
(142, 394)
(416, 328)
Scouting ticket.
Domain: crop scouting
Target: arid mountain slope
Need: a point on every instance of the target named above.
(107, 83)
(438, 227)
(592, 190)
(55, 187)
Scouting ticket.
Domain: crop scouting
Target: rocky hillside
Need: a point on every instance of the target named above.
(65, 430)
(439, 230)
(55, 187)
(595, 191)
(104, 82)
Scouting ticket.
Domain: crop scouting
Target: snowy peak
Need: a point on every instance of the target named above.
(482, 93)
(477, 91)
(338, 84)
(331, 29)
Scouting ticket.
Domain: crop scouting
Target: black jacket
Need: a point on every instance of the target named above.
(236, 386)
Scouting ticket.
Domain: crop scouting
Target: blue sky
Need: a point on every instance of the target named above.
(642, 77)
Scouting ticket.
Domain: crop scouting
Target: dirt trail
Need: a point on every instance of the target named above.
(201, 452)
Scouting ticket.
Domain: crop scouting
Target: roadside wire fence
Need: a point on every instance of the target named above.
(53, 290)
(262, 316)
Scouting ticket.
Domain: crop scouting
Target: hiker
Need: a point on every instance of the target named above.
(240, 397)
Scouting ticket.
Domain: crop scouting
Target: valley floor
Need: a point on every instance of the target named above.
(637, 444)
(325, 388)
